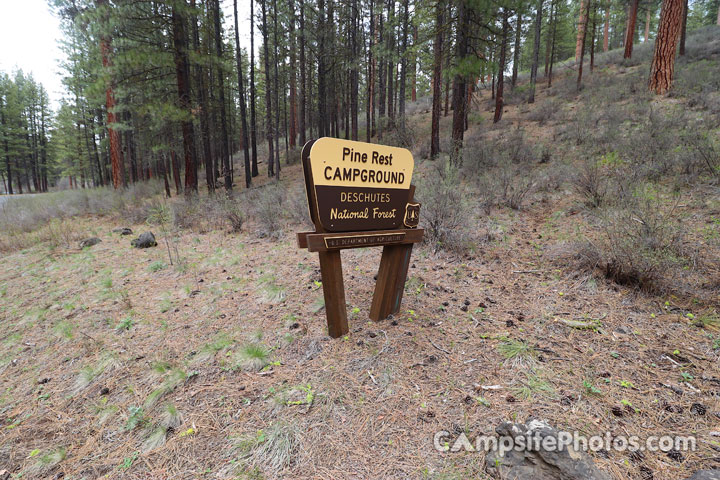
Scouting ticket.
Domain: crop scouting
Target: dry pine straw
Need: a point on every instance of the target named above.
(379, 395)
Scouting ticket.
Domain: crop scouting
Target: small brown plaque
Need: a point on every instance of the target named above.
(370, 240)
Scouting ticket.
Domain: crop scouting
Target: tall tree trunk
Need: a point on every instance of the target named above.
(225, 155)
(381, 76)
(436, 81)
(683, 28)
(582, 22)
(302, 73)
(606, 30)
(276, 92)
(372, 67)
(663, 62)
(446, 69)
(243, 107)
(183, 87)
(630, 32)
(460, 82)
(516, 49)
(203, 104)
(553, 22)
(403, 63)
(647, 24)
(176, 172)
(592, 41)
(354, 74)
(582, 45)
(268, 92)
(293, 78)
(6, 144)
(253, 122)
(501, 67)
(321, 99)
(390, 37)
(536, 52)
(413, 92)
(116, 160)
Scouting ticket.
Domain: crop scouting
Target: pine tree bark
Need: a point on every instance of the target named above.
(553, 23)
(268, 93)
(630, 32)
(581, 30)
(683, 28)
(301, 8)
(436, 81)
(460, 83)
(293, 78)
(253, 122)
(201, 84)
(321, 69)
(224, 153)
(116, 160)
(662, 68)
(354, 74)
(413, 92)
(183, 87)
(516, 50)
(501, 67)
(536, 52)
(243, 107)
(403, 63)
(276, 92)
(582, 45)
(606, 30)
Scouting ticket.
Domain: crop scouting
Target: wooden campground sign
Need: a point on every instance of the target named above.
(360, 195)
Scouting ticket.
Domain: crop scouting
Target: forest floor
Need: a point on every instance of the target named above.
(116, 364)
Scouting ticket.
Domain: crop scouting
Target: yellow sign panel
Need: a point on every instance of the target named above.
(345, 163)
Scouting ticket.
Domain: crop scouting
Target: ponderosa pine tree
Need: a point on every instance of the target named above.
(499, 100)
(437, 80)
(630, 31)
(662, 68)
(536, 51)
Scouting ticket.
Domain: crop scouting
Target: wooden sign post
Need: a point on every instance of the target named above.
(360, 195)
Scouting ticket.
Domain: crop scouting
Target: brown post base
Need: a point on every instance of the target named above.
(390, 284)
(334, 292)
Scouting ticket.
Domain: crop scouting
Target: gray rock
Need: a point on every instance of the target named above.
(145, 240)
(123, 231)
(713, 474)
(89, 242)
(539, 464)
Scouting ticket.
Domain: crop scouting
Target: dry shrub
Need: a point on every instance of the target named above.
(445, 210)
(545, 110)
(268, 209)
(508, 186)
(643, 246)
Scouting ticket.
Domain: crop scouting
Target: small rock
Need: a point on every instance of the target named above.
(713, 474)
(123, 231)
(104, 391)
(145, 240)
(530, 464)
(675, 455)
(89, 242)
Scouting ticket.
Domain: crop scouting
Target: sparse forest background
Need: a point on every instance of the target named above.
(166, 90)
